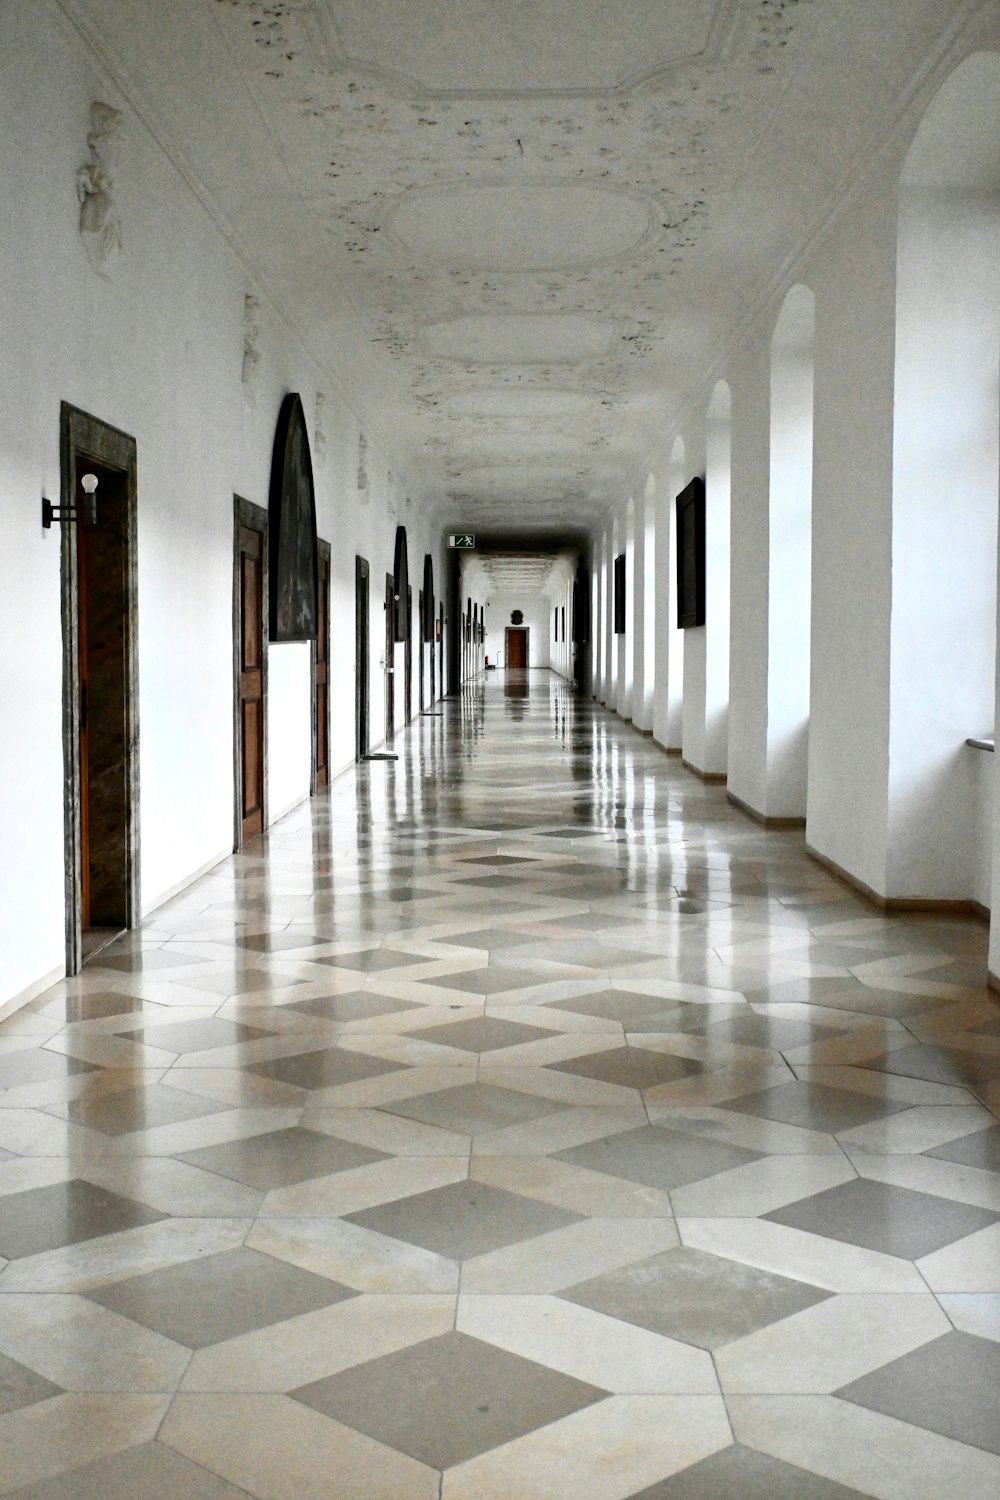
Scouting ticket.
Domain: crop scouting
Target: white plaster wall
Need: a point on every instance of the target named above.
(668, 693)
(946, 462)
(749, 581)
(854, 280)
(156, 350)
(706, 647)
(790, 531)
(537, 612)
(645, 626)
(983, 769)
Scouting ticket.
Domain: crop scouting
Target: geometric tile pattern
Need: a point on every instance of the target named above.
(518, 1112)
(463, 1397)
(217, 1297)
(701, 1299)
(951, 1386)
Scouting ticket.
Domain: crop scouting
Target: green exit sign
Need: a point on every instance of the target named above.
(464, 540)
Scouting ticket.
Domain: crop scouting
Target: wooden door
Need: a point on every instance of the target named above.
(421, 649)
(362, 725)
(321, 675)
(390, 656)
(251, 682)
(83, 663)
(517, 648)
(440, 648)
(408, 660)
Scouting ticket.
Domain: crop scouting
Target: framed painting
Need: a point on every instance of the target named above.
(691, 555)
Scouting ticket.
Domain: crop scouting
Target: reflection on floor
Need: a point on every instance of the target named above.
(520, 1114)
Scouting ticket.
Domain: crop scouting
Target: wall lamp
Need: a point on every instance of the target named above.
(86, 512)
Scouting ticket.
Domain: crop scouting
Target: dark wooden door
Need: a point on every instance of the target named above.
(408, 660)
(390, 656)
(83, 658)
(321, 677)
(517, 648)
(251, 682)
(362, 729)
(421, 649)
(440, 648)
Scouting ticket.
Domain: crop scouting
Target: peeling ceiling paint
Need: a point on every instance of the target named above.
(522, 230)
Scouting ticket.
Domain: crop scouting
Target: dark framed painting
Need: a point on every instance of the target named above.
(291, 525)
(691, 555)
(620, 594)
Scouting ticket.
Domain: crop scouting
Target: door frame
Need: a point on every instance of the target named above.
(324, 578)
(83, 436)
(245, 513)
(362, 654)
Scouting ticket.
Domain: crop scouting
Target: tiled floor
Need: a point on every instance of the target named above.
(519, 1122)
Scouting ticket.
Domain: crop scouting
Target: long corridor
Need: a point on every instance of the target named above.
(518, 1121)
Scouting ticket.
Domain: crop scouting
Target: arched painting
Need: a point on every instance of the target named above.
(294, 590)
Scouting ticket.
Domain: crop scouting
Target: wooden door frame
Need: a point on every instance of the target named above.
(245, 513)
(324, 567)
(362, 661)
(83, 436)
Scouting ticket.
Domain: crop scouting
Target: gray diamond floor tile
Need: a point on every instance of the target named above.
(473, 1108)
(463, 1219)
(66, 1213)
(145, 961)
(950, 1386)
(698, 1298)
(323, 1069)
(487, 981)
(149, 1472)
(630, 1067)
(128, 1110)
(280, 942)
(484, 1034)
(739, 1473)
(20, 1386)
(354, 1005)
(36, 1065)
(372, 960)
(217, 1297)
(880, 1216)
(769, 1032)
(196, 1036)
(658, 1157)
(814, 1106)
(463, 1397)
(951, 1065)
(615, 1005)
(981, 1150)
(282, 1157)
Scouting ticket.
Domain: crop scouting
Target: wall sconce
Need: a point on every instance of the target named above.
(86, 512)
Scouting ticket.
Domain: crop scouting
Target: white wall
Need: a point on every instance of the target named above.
(854, 280)
(537, 612)
(155, 350)
(706, 647)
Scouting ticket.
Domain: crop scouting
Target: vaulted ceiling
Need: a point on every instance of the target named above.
(521, 232)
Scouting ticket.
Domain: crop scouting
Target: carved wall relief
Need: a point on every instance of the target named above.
(251, 346)
(100, 217)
